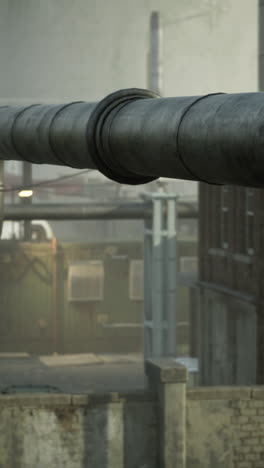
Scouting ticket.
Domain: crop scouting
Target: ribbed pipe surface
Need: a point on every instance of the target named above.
(134, 137)
(47, 134)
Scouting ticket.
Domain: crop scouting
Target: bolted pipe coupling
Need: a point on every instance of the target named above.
(98, 136)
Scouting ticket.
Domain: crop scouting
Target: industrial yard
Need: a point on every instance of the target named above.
(131, 234)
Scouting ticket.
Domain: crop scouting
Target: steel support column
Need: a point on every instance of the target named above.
(160, 276)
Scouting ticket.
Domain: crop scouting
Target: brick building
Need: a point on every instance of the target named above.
(231, 285)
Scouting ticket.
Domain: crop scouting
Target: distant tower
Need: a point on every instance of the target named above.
(155, 54)
(155, 64)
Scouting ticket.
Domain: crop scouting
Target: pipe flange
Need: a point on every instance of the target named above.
(94, 132)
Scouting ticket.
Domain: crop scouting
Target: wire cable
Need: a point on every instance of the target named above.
(45, 182)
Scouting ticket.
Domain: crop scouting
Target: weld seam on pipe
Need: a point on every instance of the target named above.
(56, 156)
(178, 137)
(12, 130)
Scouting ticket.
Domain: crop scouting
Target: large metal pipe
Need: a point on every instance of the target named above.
(62, 212)
(132, 137)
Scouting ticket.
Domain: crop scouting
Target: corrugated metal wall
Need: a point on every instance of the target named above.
(26, 297)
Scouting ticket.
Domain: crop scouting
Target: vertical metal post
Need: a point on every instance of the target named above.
(171, 274)
(147, 288)
(54, 249)
(157, 279)
(27, 181)
(160, 267)
(1, 195)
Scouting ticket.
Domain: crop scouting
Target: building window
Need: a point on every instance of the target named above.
(225, 195)
(136, 280)
(86, 281)
(188, 264)
(249, 221)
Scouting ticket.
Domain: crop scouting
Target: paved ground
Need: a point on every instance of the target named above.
(79, 373)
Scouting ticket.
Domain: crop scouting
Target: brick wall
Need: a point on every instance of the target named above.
(248, 422)
(225, 427)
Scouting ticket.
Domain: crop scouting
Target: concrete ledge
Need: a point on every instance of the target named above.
(170, 372)
(97, 398)
(41, 400)
(165, 370)
(37, 400)
(220, 393)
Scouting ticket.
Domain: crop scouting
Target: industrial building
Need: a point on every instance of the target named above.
(230, 320)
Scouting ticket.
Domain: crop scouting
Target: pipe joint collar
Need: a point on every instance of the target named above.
(98, 144)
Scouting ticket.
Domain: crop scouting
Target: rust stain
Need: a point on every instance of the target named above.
(65, 417)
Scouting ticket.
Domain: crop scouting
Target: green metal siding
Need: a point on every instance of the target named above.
(37, 317)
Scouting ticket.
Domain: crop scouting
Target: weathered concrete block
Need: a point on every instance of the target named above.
(252, 412)
(253, 441)
(256, 403)
(241, 403)
(165, 370)
(239, 419)
(243, 449)
(244, 464)
(258, 393)
(258, 449)
(252, 457)
(168, 378)
(248, 427)
(173, 431)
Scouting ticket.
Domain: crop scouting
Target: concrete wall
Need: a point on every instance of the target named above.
(75, 431)
(165, 427)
